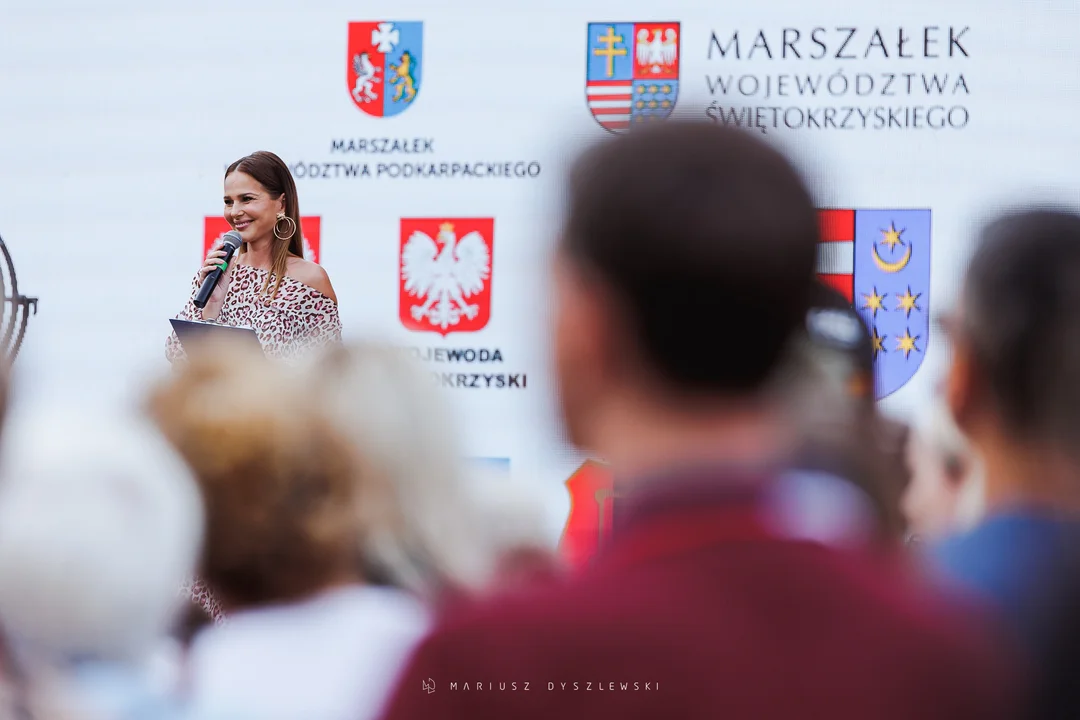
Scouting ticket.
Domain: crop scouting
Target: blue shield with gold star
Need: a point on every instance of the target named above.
(892, 290)
(631, 72)
(880, 261)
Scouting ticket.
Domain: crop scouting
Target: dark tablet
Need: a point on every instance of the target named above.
(194, 331)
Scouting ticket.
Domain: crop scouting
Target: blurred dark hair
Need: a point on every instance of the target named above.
(839, 336)
(706, 236)
(1021, 314)
(844, 432)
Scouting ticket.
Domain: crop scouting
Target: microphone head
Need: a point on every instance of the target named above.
(232, 240)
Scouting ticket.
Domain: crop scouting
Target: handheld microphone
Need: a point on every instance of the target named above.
(231, 241)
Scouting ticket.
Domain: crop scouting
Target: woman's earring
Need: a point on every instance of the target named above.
(289, 223)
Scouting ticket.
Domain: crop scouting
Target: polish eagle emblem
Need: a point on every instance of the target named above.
(659, 50)
(444, 280)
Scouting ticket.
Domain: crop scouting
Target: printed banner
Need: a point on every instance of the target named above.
(919, 120)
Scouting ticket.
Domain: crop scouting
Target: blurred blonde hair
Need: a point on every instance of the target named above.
(426, 527)
(277, 476)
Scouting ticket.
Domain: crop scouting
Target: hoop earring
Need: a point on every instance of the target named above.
(290, 223)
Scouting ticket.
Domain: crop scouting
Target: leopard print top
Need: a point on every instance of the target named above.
(298, 320)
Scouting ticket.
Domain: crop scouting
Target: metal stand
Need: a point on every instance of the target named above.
(16, 310)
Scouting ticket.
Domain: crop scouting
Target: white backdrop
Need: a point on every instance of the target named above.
(119, 117)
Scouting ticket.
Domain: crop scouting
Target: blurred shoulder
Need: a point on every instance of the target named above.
(311, 274)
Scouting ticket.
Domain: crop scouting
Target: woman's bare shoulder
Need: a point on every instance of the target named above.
(311, 274)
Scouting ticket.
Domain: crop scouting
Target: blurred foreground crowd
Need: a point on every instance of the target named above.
(291, 541)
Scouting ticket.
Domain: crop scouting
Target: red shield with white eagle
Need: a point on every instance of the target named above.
(444, 274)
(215, 227)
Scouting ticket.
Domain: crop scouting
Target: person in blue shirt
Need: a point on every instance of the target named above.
(1014, 389)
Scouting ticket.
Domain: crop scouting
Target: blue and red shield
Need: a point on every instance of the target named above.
(880, 260)
(383, 65)
(632, 72)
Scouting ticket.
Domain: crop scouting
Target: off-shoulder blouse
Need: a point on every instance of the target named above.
(298, 320)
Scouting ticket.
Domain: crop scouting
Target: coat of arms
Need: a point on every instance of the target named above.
(383, 65)
(880, 260)
(445, 274)
(631, 72)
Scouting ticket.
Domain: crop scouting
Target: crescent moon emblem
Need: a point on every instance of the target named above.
(893, 267)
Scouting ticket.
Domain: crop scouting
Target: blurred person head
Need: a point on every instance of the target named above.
(685, 266)
(100, 522)
(839, 347)
(945, 494)
(1014, 383)
(262, 205)
(833, 381)
(833, 398)
(277, 475)
(426, 524)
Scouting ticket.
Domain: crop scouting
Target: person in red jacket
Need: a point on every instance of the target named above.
(732, 587)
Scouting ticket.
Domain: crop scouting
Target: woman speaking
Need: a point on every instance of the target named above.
(269, 286)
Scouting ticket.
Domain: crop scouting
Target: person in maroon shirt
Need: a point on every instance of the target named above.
(732, 587)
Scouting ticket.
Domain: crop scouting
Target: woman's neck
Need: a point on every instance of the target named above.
(259, 254)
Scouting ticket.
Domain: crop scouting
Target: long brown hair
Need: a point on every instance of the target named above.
(272, 173)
